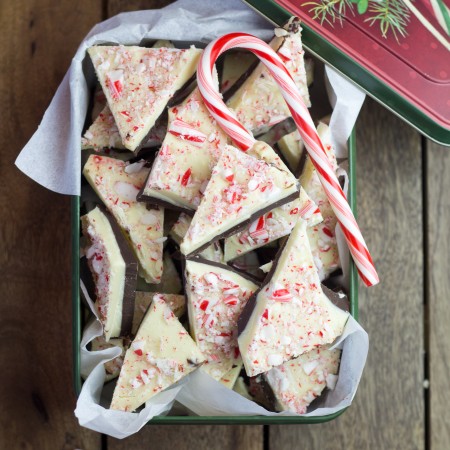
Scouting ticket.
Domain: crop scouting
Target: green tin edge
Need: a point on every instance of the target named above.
(375, 88)
(204, 420)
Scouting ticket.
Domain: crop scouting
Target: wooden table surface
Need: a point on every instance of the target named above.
(404, 212)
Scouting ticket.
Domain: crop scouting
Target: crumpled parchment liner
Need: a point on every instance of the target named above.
(52, 158)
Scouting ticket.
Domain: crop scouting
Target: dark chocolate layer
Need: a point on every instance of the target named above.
(131, 272)
(242, 225)
(152, 201)
(231, 269)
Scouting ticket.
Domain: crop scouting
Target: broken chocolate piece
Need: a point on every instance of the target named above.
(296, 383)
(117, 184)
(258, 103)
(138, 82)
(242, 187)
(114, 269)
(290, 315)
(160, 355)
(216, 296)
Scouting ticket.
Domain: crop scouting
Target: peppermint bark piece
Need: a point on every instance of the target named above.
(229, 379)
(177, 303)
(272, 226)
(216, 296)
(258, 103)
(292, 148)
(290, 315)
(212, 253)
(117, 184)
(322, 237)
(114, 270)
(241, 189)
(235, 65)
(103, 133)
(298, 382)
(112, 368)
(161, 354)
(191, 148)
(138, 82)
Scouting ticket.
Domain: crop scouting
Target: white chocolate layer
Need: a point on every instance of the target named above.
(229, 379)
(234, 66)
(108, 270)
(240, 186)
(212, 253)
(191, 148)
(177, 303)
(272, 226)
(258, 103)
(117, 184)
(161, 354)
(138, 82)
(216, 297)
(322, 236)
(292, 315)
(298, 382)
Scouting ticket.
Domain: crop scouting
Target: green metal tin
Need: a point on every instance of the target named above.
(373, 86)
(77, 309)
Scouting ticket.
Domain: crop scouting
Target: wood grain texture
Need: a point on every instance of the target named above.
(388, 411)
(438, 220)
(117, 6)
(198, 437)
(35, 311)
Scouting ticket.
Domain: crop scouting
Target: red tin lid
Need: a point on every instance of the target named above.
(415, 67)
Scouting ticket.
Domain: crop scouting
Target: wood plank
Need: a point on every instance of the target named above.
(206, 437)
(388, 411)
(39, 39)
(187, 436)
(118, 6)
(438, 219)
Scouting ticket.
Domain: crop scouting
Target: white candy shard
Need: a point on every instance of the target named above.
(138, 82)
(176, 303)
(258, 103)
(299, 381)
(168, 354)
(117, 189)
(226, 204)
(190, 150)
(109, 269)
(293, 303)
(213, 313)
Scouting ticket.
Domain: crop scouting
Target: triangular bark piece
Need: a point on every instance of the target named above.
(138, 82)
(290, 315)
(161, 354)
(241, 189)
(216, 296)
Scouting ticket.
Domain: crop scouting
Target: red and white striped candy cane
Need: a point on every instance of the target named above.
(244, 139)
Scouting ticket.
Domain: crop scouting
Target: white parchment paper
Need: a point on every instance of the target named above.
(52, 158)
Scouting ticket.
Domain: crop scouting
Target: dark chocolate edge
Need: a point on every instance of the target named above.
(298, 172)
(152, 201)
(334, 297)
(247, 312)
(131, 271)
(242, 225)
(240, 81)
(207, 262)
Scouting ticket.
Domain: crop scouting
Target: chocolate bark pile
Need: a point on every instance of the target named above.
(202, 256)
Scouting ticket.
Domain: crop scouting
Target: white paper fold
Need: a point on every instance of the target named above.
(52, 158)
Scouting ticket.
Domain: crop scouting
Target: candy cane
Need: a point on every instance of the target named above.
(244, 139)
